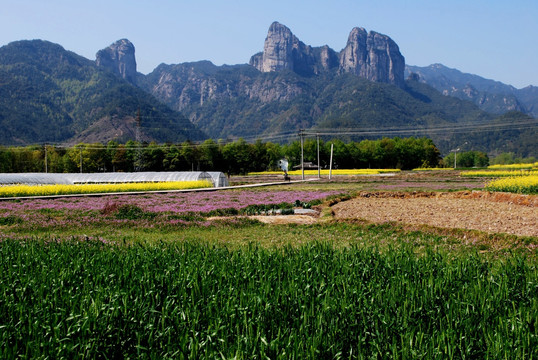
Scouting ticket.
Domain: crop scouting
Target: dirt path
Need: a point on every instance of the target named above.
(492, 213)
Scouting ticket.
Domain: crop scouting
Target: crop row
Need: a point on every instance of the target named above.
(498, 173)
(433, 169)
(62, 189)
(520, 184)
(311, 302)
(514, 166)
(325, 172)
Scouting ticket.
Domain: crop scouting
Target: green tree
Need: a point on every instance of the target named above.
(211, 156)
(6, 160)
(274, 154)
(467, 159)
(190, 155)
(153, 156)
(238, 157)
(172, 159)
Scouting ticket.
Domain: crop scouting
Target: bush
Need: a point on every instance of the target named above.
(133, 212)
(10, 220)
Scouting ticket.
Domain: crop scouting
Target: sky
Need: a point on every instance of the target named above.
(495, 39)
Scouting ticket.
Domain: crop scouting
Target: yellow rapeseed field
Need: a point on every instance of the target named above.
(334, 172)
(61, 189)
(433, 169)
(498, 173)
(519, 184)
(514, 166)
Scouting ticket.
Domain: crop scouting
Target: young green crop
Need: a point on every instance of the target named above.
(92, 300)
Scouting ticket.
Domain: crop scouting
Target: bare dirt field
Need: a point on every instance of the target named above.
(440, 199)
(477, 210)
(285, 219)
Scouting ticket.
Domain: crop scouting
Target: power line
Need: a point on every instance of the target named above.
(457, 128)
(452, 128)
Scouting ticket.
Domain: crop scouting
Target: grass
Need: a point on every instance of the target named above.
(192, 300)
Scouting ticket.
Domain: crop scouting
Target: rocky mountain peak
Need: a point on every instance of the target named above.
(277, 50)
(373, 56)
(120, 59)
(284, 51)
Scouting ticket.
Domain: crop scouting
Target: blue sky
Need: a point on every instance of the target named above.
(494, 39)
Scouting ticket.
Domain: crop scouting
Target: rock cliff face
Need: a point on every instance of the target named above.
(188, 84)
(284, 51)
(373, 56)
(120, 59)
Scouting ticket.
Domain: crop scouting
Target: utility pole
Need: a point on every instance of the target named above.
(331, 163)
(456, 153)
(319, 171)
(301, 134)
(46, 166)
(80, 159)
(138, 137)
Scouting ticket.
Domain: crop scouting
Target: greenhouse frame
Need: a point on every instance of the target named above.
(34, 179)
(218, 179)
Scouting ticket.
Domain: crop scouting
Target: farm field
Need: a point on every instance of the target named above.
(197, 276)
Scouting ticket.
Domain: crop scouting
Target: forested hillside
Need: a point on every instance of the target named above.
(48, 94)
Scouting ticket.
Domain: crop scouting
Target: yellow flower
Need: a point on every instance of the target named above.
(61, 189)
(520, 184)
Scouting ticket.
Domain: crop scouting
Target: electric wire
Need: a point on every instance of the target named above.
(457, 128)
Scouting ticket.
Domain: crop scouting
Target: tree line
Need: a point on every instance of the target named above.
(238, 157)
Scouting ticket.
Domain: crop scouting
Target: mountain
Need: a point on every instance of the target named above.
(490, 95)
(292, 86)
(119, 58)
(529, 97)
(239, 101)
(373, 56)
(277, 90)
(48, 94)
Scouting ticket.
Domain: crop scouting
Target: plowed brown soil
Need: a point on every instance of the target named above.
(477, 210)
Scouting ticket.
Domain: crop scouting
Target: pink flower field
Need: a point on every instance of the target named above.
(171, 202)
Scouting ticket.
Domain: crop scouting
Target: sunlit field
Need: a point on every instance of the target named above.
(62, 189)
(189, 275)
(514, 166)
(433, 169)
(325, 172)
(498, 173)
(193, 300)
(519, 184)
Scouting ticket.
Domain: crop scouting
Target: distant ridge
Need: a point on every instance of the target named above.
(490, 95)
(48, 94)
